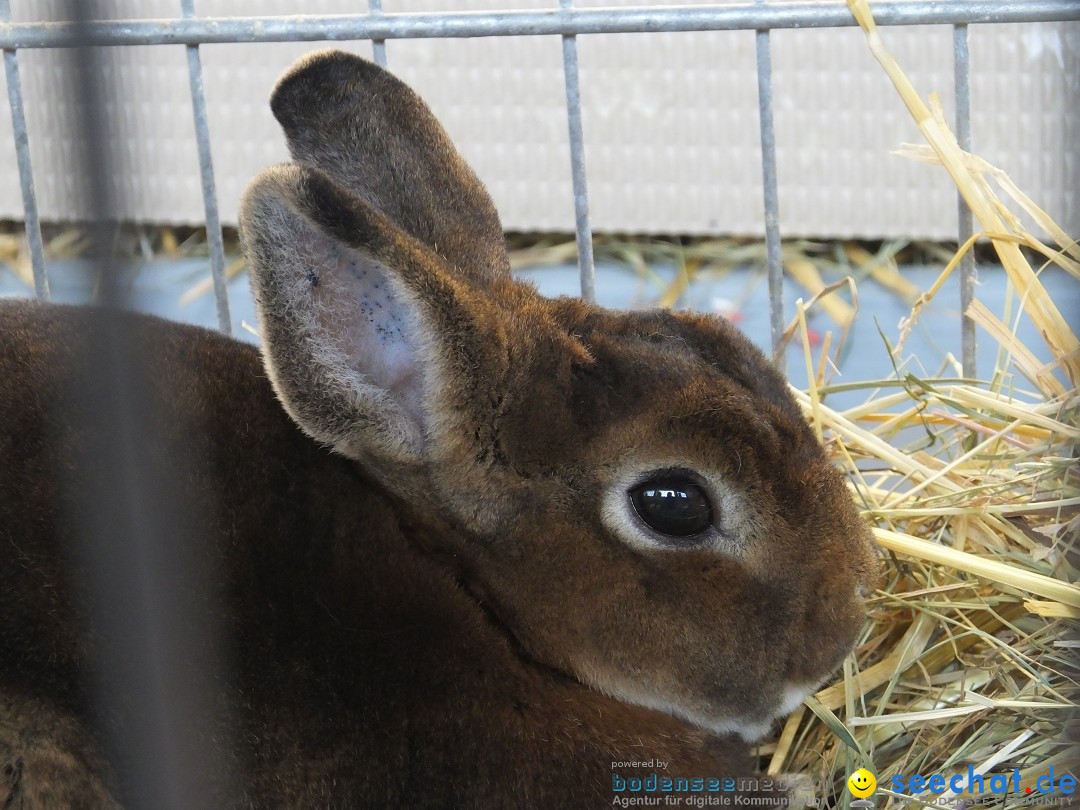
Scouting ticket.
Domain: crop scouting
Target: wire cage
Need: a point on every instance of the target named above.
(123, 519)
(191, 31)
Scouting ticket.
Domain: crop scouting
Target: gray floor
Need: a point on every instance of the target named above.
(158, 287)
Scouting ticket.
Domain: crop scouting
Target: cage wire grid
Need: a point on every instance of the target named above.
(157, 773)
(566, 22)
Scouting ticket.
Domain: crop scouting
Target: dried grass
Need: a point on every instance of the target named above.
(969, 657)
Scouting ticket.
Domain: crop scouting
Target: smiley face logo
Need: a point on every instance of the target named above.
(861, 783)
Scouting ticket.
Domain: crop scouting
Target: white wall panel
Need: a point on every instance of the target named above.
(670, 121)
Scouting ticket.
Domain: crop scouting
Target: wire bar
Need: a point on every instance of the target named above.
(962, 79)
(378, 46)
(131, 536)
(214, 239)
(577, 165)
(769, 189)
(26, 173)
(741, 16)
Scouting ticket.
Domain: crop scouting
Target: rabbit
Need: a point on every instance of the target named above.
(467, 546)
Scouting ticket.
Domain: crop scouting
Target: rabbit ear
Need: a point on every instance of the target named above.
(377, 138)
(362, 327)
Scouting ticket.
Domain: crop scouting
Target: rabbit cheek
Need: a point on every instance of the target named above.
(683, 633)
(717, 668)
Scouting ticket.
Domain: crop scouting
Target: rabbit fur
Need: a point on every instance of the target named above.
(430, 586)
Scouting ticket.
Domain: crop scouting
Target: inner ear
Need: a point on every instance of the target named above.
(363, 324)
(347, 342)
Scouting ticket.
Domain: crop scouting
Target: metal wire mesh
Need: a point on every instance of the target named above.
(191, 31)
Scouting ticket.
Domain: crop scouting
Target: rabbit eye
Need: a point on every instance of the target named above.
(672, 505)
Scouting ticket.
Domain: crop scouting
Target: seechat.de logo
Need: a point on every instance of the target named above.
(862, 785)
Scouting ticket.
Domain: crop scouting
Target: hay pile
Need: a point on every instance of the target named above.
(970, 656)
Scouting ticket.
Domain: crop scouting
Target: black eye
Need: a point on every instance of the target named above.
(672, 505)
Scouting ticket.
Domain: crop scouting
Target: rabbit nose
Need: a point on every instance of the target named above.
(864, 589)
(866, 584)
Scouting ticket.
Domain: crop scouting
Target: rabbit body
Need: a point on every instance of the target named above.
(426, 583)
(361, 666)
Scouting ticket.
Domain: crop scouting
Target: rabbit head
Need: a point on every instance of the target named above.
(634, 498)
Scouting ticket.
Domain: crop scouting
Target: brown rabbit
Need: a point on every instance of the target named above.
(523, 543)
